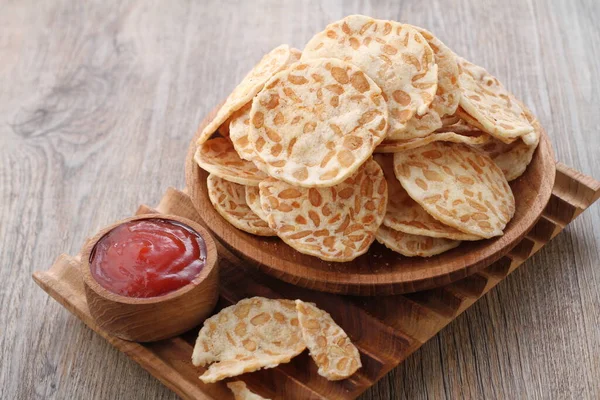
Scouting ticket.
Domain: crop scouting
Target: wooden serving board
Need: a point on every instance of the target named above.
(386, 329)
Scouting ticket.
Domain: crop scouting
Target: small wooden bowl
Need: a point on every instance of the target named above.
(153, 318)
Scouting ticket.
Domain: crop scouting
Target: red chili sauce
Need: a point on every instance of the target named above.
(147, 258)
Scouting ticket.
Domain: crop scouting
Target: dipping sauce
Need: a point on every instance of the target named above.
(147, 258)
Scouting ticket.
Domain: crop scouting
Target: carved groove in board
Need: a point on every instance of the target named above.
(282, 384)
(257, 386)
(438, 300)
(559, 226)
(522, 250)
(357, 380)
(560, 211)
(497, 270)
(177, 353)
(403, 314)
(544, 230)
(471, 287)
(574, 187)
(373, 364)
(563, 200)
(304, 371)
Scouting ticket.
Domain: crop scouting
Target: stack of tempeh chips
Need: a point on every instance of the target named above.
(295, 156)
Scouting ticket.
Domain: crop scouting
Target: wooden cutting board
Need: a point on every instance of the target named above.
(386, 329)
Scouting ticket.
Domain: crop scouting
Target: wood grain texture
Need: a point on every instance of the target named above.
(397, 325)
(98, 98)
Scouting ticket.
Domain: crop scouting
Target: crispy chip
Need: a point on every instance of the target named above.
(406, 215)
(413, 245)
(467, 120)
(229, 199)
(336, 223)
(395, 56)
(238, 133)
(446, 98)
(514, 158)
(218, 157)
(241, 392)
(239, 127)
(330, 347)
(450, 120)
(224, 128)
(485, 99)
(316, 122)
(458, 186)
(255, 333)
(253, 200)
(461, 127)
(472, 138)
(295, 55)
(252, 83)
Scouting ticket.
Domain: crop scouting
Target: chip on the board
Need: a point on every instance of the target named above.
(255, 333)
(328, 344)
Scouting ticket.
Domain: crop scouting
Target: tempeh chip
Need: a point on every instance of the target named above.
(255, 333)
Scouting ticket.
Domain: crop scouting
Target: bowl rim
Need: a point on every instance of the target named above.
(210, 264)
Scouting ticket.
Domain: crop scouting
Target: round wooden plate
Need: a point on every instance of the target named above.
(380, 271)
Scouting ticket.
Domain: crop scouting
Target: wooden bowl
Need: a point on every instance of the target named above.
(380, 271)
(153, 318)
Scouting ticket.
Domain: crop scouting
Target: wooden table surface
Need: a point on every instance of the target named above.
(97, 107)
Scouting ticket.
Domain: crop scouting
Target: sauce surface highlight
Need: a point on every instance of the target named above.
(147, 258)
